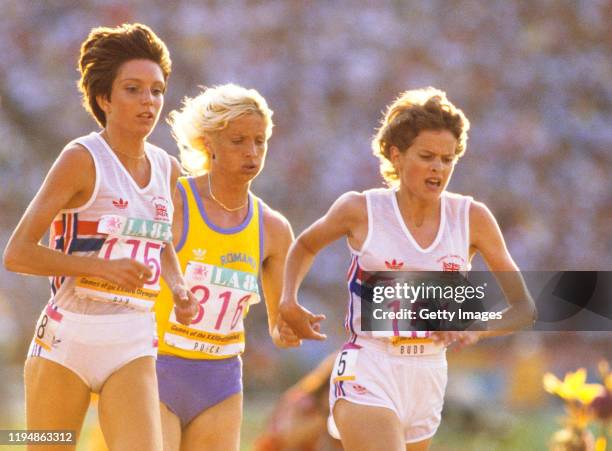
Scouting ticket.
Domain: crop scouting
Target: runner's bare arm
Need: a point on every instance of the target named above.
(69, 184)
(185, 304)
(177, 202)
(487, 238)
(278, 236)
(170, 267)
(346, 215)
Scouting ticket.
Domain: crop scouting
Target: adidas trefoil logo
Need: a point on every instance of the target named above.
(121, 204)
(394, 265)
(199, 254)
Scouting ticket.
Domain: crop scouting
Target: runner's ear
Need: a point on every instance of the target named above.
(104, 103)
(394, 155)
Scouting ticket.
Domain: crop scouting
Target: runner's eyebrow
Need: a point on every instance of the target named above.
(140, 80)
(426, 149)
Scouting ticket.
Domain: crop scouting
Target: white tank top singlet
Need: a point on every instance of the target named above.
(389, 246)
(115, 195)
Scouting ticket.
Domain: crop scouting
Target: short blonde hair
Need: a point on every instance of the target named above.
(209, 112)
(411, 113)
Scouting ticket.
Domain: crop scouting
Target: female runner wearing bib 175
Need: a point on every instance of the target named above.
(380, 399)
(225, 238)
(108, 200)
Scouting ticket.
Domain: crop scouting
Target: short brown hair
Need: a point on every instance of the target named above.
(411, 113)
(103, 53)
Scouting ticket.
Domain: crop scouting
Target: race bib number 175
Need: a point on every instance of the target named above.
(136, 239)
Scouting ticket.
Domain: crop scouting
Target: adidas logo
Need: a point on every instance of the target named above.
(394, 265)
(360, 389)
(199, 254)
(121, 204)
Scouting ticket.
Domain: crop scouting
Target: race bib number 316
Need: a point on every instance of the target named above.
(224, 296)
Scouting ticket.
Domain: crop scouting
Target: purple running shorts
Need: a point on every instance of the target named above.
(188, 387)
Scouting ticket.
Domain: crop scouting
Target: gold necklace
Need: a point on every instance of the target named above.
(221, 204)
(139, 157)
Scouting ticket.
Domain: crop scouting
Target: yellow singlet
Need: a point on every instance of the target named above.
(221, 267)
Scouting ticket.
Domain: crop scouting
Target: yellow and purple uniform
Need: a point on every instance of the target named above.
(199, 365)
(221, 267)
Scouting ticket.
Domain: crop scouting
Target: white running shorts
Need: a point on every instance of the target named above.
(411, 386)
(93, 346)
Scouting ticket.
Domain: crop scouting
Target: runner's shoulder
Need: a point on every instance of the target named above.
(75, 163)
(76, 154)
(274, 221)
(351, 205)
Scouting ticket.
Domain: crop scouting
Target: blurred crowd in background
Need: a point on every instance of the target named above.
(534, 79)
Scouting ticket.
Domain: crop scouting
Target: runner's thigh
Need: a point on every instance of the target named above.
(129, 408)
(368, 428)
(56, 398)
(215, 429)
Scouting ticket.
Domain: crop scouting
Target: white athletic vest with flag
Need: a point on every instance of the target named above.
(120, 220)
(389, 246)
